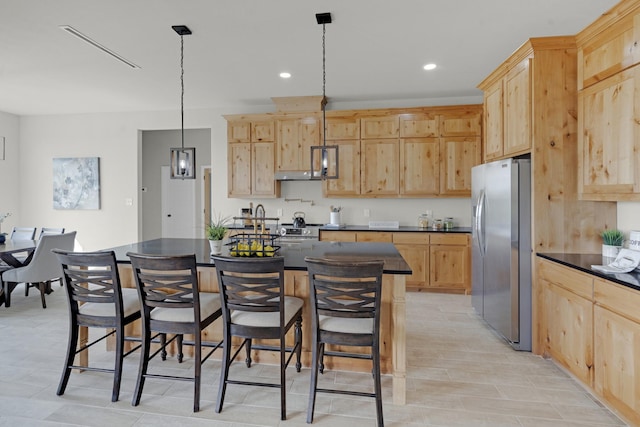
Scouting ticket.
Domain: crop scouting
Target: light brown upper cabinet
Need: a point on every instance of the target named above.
(420, 171)
(507, 112)
(493, 121)
(419, 125)
(609, 106)
(387, 153)
(379, 167)
(294, 139)
(458, 154)
(385, 126)
(517, 110)
(251, 158)
(402, 153)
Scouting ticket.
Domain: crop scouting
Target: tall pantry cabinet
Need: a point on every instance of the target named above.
(530, 104)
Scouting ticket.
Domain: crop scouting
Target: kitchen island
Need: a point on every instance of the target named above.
(393, 315)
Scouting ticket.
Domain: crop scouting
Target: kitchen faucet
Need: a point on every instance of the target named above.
(260, 213)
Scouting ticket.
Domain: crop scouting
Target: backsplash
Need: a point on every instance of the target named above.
(306, 196)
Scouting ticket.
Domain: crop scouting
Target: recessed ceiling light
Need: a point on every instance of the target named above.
(285, 75)
(430, 66)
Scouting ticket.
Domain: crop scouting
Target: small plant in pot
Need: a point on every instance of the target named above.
(216, 230)
(611, 242)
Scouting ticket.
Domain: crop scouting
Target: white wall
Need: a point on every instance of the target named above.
(115, 138)
(628, 217)
(9, 172)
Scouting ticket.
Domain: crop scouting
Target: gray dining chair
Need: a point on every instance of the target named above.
(50, 230)
(23, 233)
(43, 268)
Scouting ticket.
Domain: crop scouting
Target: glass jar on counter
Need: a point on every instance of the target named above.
(423, 221)
(437, 224)
(448, 223)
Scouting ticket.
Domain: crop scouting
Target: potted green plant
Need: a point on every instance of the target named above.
(611, 242)
(216, 230)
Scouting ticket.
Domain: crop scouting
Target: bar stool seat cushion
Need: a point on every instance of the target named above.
(209, 304)
(345, 325)
(267, 319)
(130, 304)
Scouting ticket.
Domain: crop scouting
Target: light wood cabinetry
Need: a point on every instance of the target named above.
(507, 113)
(384, 126)
(609, 105)
(420, 174)
(617, 347)
(517, 109)
(388, 153)
(417, 152)
(414, 248)
(531, 99)
(439, 261)
(567, 323)
(458, 154)
(295, 137)
(379, 167)
(520, 86)
(450, 262)
(592, 327)
(251, 159)
(493, 121)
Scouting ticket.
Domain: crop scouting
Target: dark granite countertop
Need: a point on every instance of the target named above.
(293, 253)
(583, 262)
(401, 229)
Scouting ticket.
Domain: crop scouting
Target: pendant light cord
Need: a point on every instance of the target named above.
(182, 89)
(324, 84)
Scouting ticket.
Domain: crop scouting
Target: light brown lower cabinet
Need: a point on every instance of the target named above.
(591, 326)
(440, 261)
(617, 347)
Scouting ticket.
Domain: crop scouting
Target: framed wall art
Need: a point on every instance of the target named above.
(76, 183)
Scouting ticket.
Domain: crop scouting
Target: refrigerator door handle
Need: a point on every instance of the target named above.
(480, 222)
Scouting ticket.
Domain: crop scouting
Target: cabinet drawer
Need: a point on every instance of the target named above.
(338, 236)
(374, 236)
(566, 277)
(617, 298)
(449, 239)
(411, 238)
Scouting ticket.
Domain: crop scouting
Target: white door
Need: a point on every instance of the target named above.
(178, 206)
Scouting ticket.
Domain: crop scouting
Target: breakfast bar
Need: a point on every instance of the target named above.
(393, 315)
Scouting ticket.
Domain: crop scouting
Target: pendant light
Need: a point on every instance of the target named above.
(327, 167)
(183, 160)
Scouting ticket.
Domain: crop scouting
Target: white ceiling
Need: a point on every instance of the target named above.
(375, 50)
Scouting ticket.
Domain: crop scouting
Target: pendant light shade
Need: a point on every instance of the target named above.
(183, 160)
(324, 158)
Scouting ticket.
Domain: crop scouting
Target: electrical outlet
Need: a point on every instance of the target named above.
(429, 214)
(367, 213)
(279, 212)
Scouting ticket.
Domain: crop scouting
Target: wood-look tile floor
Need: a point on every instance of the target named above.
(459, 374)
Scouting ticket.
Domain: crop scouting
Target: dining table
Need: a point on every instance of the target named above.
(8, 254)
(393, 314)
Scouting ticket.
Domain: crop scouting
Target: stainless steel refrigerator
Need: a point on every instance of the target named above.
(501, 248)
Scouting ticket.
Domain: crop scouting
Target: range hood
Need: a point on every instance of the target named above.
(295, 176)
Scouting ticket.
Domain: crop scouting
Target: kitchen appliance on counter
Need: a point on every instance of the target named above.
(292, 234)
(501, 248)
(298, 220)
